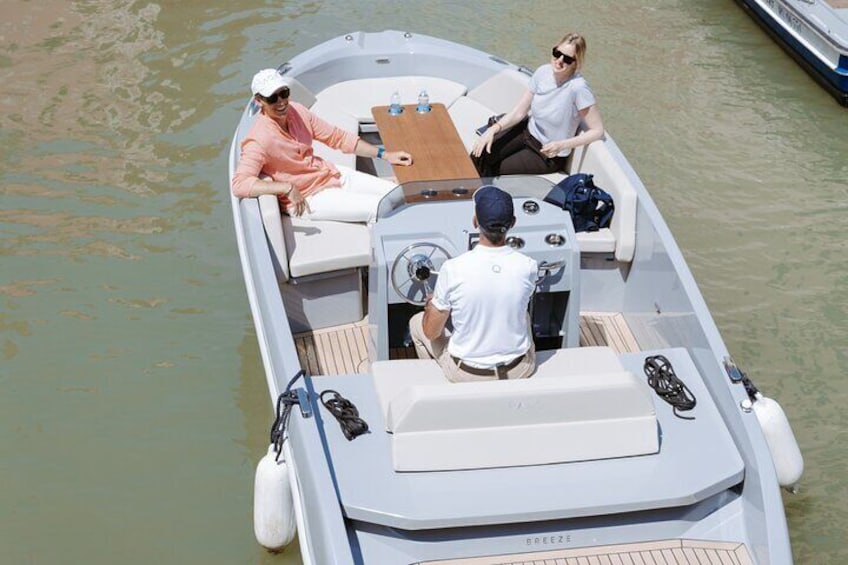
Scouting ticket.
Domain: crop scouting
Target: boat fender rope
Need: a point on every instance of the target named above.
(750, 388)
(346, 413)
(668, 386)
(285, 401)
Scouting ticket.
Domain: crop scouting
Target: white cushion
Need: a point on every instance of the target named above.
(601, 241)
(357, 97)
(323, 246)
(272, 220)
(393, 377)
(467, 116)
(581, 405)
(501, 92)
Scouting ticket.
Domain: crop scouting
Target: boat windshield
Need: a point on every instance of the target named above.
(424, 192)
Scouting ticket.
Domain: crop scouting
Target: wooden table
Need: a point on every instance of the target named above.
(431, 138)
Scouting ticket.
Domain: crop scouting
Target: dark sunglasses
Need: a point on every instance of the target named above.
(557, 54)
(282, 93)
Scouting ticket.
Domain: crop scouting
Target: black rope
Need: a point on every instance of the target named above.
(665, 383)
(750, 389)
(285, 401)
(346, 414)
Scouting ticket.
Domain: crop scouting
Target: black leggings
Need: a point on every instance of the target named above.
(516, 152)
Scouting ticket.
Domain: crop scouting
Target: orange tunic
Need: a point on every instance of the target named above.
(287, 156)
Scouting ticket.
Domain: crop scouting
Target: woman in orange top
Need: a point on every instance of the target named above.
(279, 146)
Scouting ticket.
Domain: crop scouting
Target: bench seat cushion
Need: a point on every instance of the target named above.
(323, 246)
(391, 377)
(601, 241)
(357, 97)
(581, 405)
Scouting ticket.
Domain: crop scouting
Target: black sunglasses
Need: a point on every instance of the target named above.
(567, 59)
(282, 93)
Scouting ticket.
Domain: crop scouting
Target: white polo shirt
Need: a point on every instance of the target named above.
(487, 291)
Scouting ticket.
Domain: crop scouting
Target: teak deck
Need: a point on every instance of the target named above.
(342, 349)
(668, 552)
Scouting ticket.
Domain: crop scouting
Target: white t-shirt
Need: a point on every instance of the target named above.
(554, 110)
(487, 291)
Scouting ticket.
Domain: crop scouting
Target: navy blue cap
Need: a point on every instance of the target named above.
(493, 208)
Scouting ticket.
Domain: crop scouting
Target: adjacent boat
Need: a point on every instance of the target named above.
(637, 435)
(813, 32)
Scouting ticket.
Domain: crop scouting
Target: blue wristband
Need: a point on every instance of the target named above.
(380, 151)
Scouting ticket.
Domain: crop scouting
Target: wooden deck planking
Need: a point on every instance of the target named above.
(343, 350)
(357, 347)
(611, 329)
(664, 552)
(338, 350)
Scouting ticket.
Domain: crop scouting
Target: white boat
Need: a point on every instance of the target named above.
(814, 33)
(584, 458)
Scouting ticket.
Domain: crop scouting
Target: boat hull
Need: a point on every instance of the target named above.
(822, 55)
(344, 519)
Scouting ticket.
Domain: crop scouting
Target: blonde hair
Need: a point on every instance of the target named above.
(579, 43)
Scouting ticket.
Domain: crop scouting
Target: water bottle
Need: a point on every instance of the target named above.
(394, 107)
(423, 102)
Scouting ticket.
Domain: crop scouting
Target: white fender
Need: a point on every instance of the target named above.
(273, 509)
(785, 453)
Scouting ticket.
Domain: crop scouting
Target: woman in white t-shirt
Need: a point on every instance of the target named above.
(537, 135)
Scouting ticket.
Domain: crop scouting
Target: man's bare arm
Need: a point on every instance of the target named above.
(434, 320)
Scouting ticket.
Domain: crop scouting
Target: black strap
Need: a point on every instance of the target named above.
(285, 401)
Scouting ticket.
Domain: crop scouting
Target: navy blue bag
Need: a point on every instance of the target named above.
(591, 208)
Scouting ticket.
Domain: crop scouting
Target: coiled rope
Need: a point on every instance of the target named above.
(664, 381)
(345, 413)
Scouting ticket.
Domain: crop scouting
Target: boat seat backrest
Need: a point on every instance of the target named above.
(496, 95)
(500, 92)
(344, 121)
(357, 97)
(467, 115)
(581, 404)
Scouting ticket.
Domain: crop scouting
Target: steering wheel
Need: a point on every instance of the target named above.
(412, 269)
